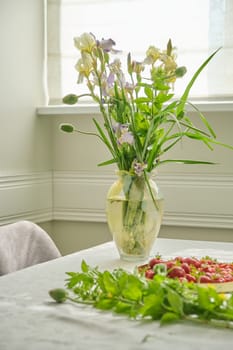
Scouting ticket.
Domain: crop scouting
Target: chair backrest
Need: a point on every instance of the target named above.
(24, 244)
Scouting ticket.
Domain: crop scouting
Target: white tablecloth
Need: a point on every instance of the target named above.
(31, 320)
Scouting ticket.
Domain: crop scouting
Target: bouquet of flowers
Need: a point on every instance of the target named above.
(142, 119)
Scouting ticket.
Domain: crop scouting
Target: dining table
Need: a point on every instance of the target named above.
(31, 319)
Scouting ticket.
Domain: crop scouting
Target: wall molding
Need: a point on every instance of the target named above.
(25, 196)
(199, 220)
(197, 200)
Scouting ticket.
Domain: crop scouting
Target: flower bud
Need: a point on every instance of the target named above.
(66, 128)
(70, 99)
(59, 295)
(180, 71)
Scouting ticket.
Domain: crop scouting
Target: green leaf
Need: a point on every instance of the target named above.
(144, 108)
(140, 122)
(185, 95)
(230, 302)
(169, 317)
(208, 298)
(103, 136)
(185, 161)
(149, 92)
(220, 143)
(190, 126)
(159, 85)
(142, 100)
(109, 283)
(108, 162)
(75, 278)
(84, 266)
(132, 289)
(171, 106)
(199, 137)
(153, 306)
(204, 120)
(152, 155)
(105, 304)
(162, 97)
(122, 307)
(175, 301)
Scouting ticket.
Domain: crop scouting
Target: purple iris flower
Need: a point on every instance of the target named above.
(124, 128)
(123, 134)
(107, 83)
(138, 168)
(129, 87)
(110, 80)
(116, 128)
(106, 44)
(126, 137)
(119, 128)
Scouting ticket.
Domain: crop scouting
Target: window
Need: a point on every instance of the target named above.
(197, 28)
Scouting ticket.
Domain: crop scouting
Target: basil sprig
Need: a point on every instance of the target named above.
(164, 299)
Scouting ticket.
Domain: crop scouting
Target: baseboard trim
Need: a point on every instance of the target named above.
(170, 219)
(34, 216)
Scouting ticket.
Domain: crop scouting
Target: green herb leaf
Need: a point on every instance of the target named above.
(175, 301)
(84, 266)
(169, 317)
(161, 298)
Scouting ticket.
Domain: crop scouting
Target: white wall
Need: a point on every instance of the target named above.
(49, 176)
(25, 152)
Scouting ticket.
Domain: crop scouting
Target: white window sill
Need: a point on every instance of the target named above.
(56, 110)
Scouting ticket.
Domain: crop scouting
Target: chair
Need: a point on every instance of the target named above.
(24, 244)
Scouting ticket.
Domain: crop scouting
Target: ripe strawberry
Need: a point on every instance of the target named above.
(190, 278)
(185, 267)
(176, 271)
(149, 274)
(155, 261)
(205, 279)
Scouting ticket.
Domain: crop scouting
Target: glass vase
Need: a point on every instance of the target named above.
(134, 211)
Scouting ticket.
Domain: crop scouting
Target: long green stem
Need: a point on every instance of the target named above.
(150, 191)
(88, 133)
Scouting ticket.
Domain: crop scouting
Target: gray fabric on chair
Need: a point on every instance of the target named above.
(23, 244)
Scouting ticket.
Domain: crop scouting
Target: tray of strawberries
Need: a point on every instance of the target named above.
(205, 271)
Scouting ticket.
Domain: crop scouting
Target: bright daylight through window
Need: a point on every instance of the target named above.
(196, 27)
